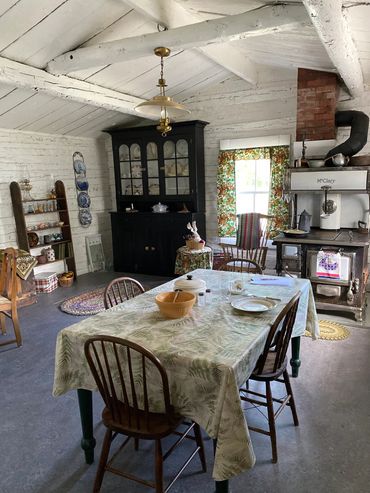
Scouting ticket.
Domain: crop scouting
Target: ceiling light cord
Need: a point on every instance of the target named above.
(164, 122)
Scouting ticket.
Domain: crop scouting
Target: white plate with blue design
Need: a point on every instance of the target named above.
(83, 200)
(85, 217)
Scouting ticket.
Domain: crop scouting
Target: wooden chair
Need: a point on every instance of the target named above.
(241, 265)
(270, 366)
(231, 251)
(8, 295)
(121, 289)
(121, 370)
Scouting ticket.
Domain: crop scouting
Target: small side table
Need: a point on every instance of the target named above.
(188, 260)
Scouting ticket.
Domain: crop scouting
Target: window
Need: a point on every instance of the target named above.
(252, 185)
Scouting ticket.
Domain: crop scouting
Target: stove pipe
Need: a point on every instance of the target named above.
(359, 123)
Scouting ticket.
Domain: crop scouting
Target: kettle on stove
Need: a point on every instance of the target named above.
(305, 221)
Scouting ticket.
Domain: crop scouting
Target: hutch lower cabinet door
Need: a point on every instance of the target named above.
(146, 242)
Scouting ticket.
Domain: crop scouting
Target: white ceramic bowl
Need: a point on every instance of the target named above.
(316, 163)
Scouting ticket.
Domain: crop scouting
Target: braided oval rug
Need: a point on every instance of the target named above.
(88, 303)
(331, 331)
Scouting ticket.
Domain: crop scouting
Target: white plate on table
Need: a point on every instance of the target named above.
(253, 304)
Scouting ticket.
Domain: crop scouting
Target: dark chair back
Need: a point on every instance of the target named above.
(121, 289)
(121, 370)
(241, 265)
(279, 337)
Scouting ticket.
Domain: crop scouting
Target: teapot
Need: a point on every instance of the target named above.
(160, 207)
(305, 221)
(340, 160)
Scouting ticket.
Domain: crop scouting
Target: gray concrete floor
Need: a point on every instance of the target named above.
(39, 447)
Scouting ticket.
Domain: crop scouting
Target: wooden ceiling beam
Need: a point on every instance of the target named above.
(332, 28)
(269, 19)
(37, 80)
(171, 14)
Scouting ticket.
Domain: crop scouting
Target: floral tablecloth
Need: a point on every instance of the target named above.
(207, 355)
(188, 260)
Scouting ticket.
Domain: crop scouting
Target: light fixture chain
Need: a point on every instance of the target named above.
(162, 102)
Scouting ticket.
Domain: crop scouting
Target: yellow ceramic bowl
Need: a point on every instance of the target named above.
(178, 309)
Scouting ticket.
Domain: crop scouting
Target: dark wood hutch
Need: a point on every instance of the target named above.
(150, 169)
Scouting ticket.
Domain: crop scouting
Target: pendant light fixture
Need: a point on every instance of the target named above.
(162, 106)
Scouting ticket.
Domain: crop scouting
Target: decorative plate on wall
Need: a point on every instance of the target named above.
(82, 186)
(83, 200)
(85, 217)
(79, 166)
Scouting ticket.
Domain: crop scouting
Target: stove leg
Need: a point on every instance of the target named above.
(279, 260)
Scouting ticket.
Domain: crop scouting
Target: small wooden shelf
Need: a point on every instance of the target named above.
(56, 260)
(45, 245)
(21, 218)
(40, 200)
(43, 229)
(44, 212)
(58, 242)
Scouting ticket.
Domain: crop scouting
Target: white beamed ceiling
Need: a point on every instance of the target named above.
(33, 32)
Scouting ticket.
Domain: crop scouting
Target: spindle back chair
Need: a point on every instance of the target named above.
(231, 251)
(241, 265)
(8, 295)
(121, 289)
(270, 366)
(124, 373)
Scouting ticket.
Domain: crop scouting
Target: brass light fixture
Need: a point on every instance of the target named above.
(162, 106)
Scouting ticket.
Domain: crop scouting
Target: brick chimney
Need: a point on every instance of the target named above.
(317, 94)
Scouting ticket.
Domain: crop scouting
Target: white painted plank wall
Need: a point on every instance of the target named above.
(44, 155)
(235, 109)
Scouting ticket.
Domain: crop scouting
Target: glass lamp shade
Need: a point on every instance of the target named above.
(154, 107)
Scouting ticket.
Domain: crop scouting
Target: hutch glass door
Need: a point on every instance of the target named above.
(176, 167)
(153, 168)
(131, 169)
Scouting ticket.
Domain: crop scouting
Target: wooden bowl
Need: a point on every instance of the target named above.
(178, 309)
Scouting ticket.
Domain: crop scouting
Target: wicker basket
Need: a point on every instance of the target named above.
(178, 309)
(66, 279)
(194, 245)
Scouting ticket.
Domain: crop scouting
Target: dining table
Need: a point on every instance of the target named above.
(208, 355)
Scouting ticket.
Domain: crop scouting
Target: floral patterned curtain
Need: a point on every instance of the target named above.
(279, 156)
(226, 199)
